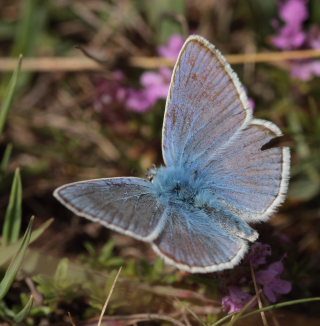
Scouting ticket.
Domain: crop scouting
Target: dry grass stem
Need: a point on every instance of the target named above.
(109, 296)
(263, 315)
(71, 319)
(47, 64)
(136, 318)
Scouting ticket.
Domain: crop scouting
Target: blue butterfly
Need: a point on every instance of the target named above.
(216, 179)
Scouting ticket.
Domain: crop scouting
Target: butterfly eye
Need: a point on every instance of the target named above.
(149, 176)
(151, 173)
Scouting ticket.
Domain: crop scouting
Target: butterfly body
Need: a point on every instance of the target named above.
(178, 187)
(196, 209)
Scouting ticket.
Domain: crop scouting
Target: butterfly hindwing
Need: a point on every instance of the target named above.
(193, 242)
(251, 181)
(127, 205)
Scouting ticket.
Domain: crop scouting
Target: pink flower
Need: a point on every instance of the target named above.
(155, 84)
(293, 12)
(289, 37)
(271, 282)
(236, 300)
(155, 87)
(305, 70)
(112, 93)
(172, 49)
(293, 36)
(138, 100)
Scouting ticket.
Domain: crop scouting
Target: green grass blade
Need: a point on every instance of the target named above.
(13, 216)
(223, 319)
(271, 307)
(5, 159)
(10, 250)
(280, 305)
(29, 34)
(23, 314)
(30, 26)
(16, 262)
(9, 96)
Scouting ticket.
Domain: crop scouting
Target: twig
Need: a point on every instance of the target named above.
(71, 319)
(91, 56)
(182, 294)
(272, 313)
(138, 318)
(263, 315)
(109, 296)
(273, 56)
(49, 64)
(38, 298)
(193, 314)
(185, 318)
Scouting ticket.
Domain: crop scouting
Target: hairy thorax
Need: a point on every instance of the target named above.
(178, 185)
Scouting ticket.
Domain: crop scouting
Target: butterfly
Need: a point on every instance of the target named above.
(196, 210)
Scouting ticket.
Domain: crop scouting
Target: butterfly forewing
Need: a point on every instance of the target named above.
(127, 205)
(206, 106)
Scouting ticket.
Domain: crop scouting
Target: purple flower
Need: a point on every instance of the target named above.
(258, 254)
(306, 69)
(172, 49)
(294, 12)
(293, 36)
(138, 100)
(155, 84)
(289, 37)
(236, 300)
(251, 103)
(271, 282)
(155, 87)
